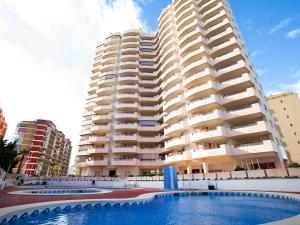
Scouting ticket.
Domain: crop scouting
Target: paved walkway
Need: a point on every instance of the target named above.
(7, 200)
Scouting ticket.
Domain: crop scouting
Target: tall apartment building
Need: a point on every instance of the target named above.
(3, 124)
(187, 96)
(48, 147)
(286, 110)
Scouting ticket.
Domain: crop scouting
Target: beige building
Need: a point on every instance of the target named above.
(286, 111)
(187, 96)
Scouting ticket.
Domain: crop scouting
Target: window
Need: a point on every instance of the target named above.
(295, 133)
(287, 116)
(291, 124)
(284, 108)
(281, 101)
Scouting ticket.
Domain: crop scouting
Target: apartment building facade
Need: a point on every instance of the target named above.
(286, 110)
(186, 96)
(3, 124)
(48, 147)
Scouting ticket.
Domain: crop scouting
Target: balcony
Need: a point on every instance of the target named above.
(220, 133)
(94, 150)
(124, 88)
(92, 90)
(107, 82)
(176, 128)
(105, 91)
(247, 96)
(215, 40)
(129, 97)
(175, 115)
(171, 81)
(125, 137)
(149, 108)
(172, 92)
(251, 130)
(81, 164)
(128, 80)
(101, 129)
(178, 157)
(175, 143)
(127, 106)
(196, 66)
(149, 150)
(126, 116)
(152, 139)
(235, 69)
(104, 100)
(203, 90)
(124, 162)
(250, 112)
(207, 104)
(199, 78)
(173, 104)
(125, 149)
(213, 118)
(130, 72)
(266, 146)
(102, 118)
(103, 109)
(225, 46)
(194, 53)
(84, 142)
(245, 80)
(151, 163)
(96, 162)
(98, 139)
(126, 126)
(222, 151)
(230, 57)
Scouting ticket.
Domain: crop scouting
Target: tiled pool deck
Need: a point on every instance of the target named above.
(7, 200)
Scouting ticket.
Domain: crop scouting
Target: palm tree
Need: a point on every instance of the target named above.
(8, 154)
(22, 153)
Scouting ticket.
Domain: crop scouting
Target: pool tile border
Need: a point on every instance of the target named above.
(9, 215)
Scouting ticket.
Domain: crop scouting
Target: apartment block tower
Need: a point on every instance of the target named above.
(186, 96)
(48, 147)
(286, 110)
(3, 124)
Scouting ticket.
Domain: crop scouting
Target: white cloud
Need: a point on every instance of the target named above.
(294, 33)
(282, 24)
(46, 56)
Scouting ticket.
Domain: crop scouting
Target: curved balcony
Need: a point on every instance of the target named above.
(166, 85)
(190, 36)
(244, 81)
(212, 20)
(218, 134)
(175, 129)
(105, 91)
(203, 90)
(188, 28)
(153, 99)
(106, 82)
(251, 130)
(129, 39)
(174, 115)
(128, 65)
(124, 162)
(101, 129)
(229, 58)
(109, 67)
(127, 106)
(126, 88)
(167, 63)
(127, 97)
(211, 12)
(175, 143)
(266, 146)
(178, 157)
(194, 55)
(215, 29)
(149, 108)
(125, 149)
(169, 72)
(126, 126)
(92, 90)
(128, 80)
(105, 100)
(196, 66)
(128, 72)
(192, 45)
(126, 116)
(187, 20)
(103, 109)
(252, 111)
(235, 69)
(215, 40)
(109, 60)
(96, 162)
(180, 16)
(98, 139)
(129, 51)
(148, 139)
(222, 151)
(155, 128)
(179, 4)
(173, 104)
(249, 95)
(97, 150)
(102, 118)
(125, 137)
(172, 92)
(151, 163)
(90, 106)
(210, 103)
(215, 117)
(129, 57)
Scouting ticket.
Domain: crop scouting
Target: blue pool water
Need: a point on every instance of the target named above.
(177, 210)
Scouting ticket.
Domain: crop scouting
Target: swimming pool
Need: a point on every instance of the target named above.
(60, 191)
(205, 208)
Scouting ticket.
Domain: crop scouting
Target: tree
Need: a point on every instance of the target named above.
(22, 153)
(8, 154)
(56, 169)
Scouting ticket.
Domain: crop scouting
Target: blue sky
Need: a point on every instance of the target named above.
(265, 25)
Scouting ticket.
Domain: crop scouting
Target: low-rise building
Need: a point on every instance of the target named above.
(3, 124)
